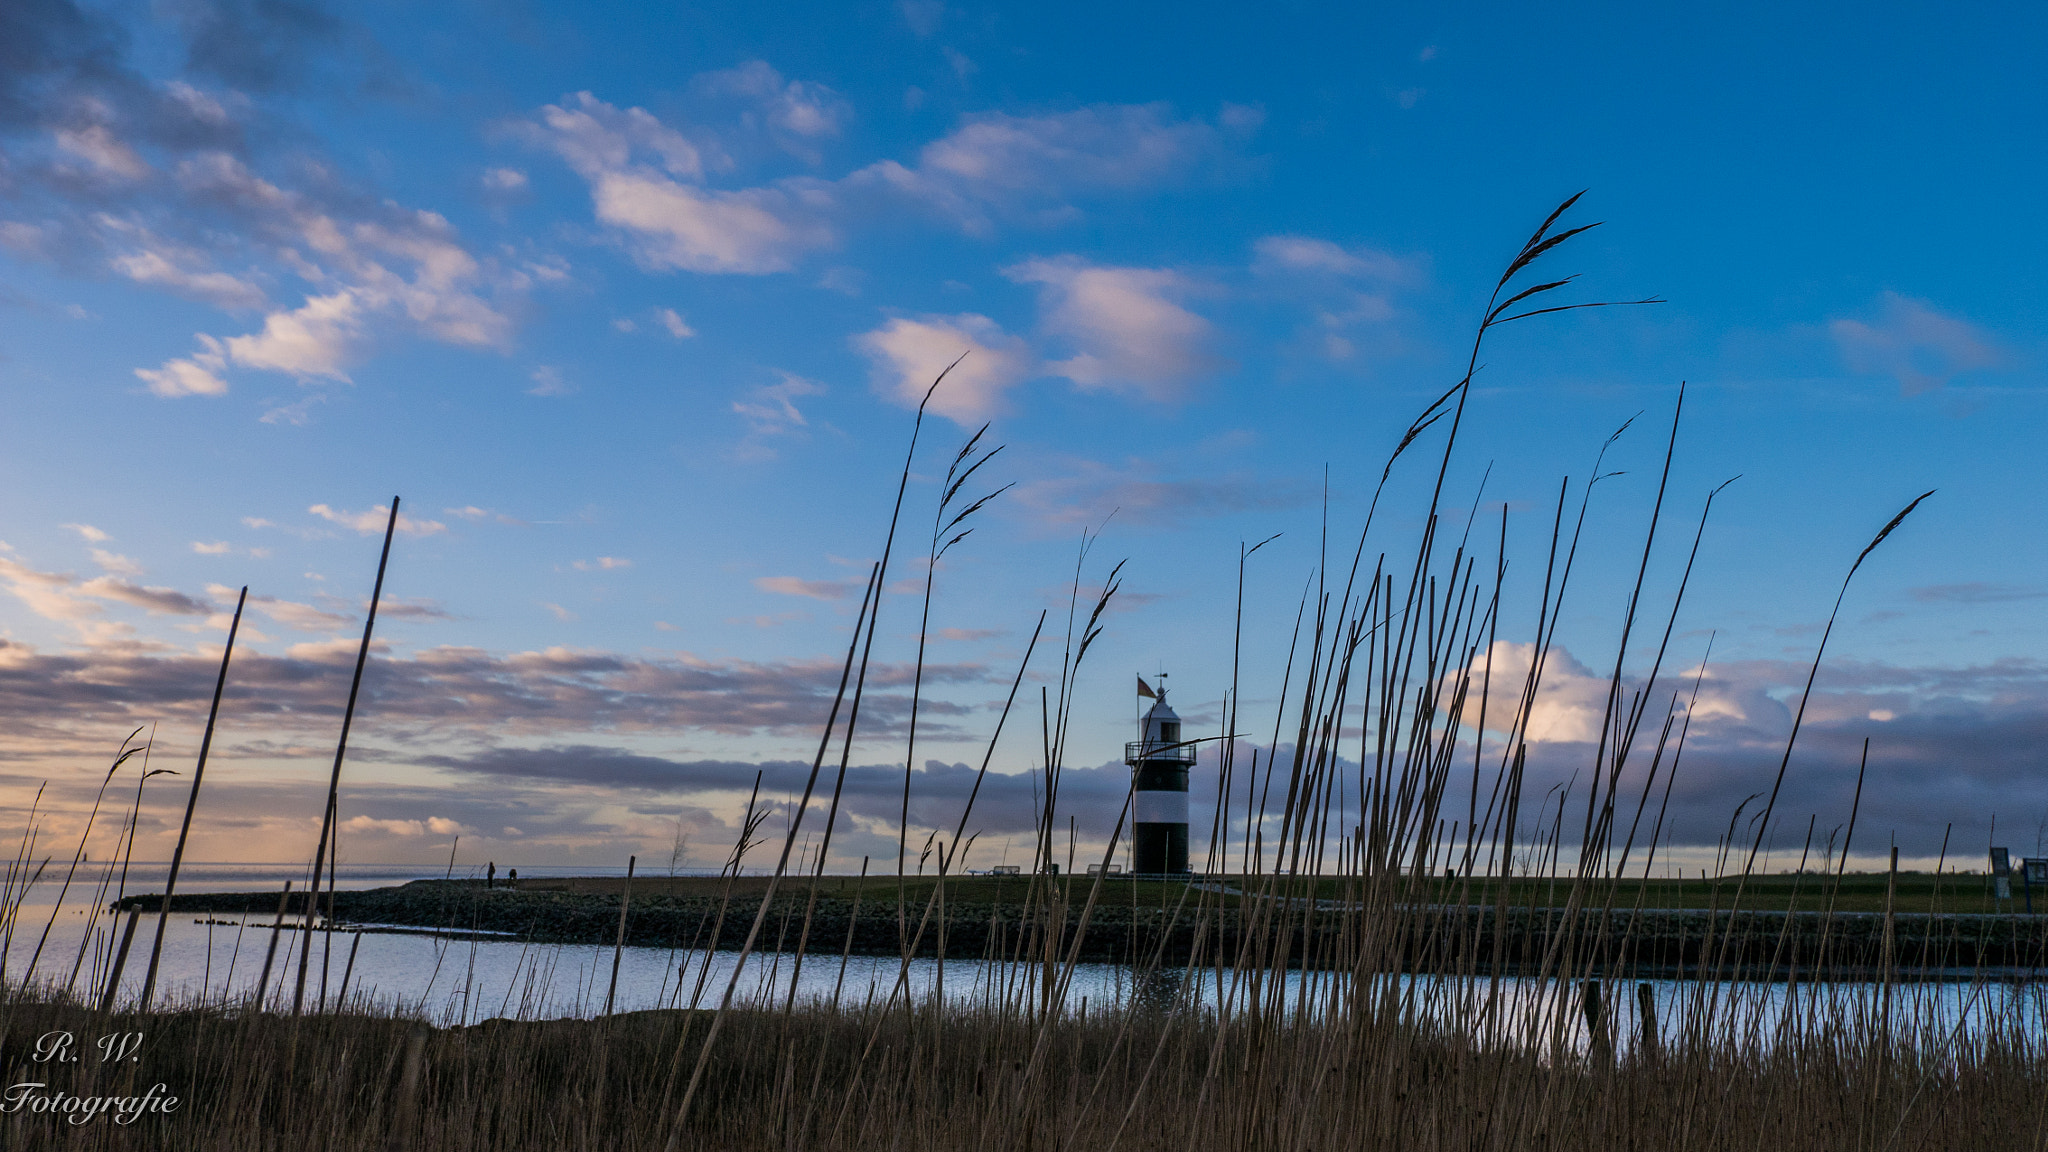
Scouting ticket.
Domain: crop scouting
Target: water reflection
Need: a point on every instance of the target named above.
(478, 976)
(473, 978)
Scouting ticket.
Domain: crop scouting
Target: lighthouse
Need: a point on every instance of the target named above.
(1159, 763)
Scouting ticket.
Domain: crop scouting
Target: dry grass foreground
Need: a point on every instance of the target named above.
(929, 1079)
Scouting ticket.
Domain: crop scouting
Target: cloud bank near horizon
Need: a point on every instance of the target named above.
(539, 731)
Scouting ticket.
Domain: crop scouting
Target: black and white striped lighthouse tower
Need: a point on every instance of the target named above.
(1159, 802)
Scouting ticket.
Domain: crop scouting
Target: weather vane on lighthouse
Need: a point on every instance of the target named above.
(1159, 761)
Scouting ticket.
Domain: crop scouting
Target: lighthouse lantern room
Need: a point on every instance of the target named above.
(1159, 802)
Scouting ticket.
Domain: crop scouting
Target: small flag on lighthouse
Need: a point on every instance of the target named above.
(1145, 689)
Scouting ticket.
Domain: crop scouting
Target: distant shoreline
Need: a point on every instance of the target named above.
(981, 920)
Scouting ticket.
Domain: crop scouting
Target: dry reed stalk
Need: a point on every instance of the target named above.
(123, 854)
(78, 855)
(341, 993)
(348, 716)
(789, 841)
(619, 945)
(220, 684)
(120, 961)
(270, 955)
(405, 1120)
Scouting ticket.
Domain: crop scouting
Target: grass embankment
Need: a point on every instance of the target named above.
(1951, 892)
(1782, 925)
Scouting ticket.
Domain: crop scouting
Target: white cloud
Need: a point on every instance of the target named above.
(594, 136)
(1309, 254)
(298, 413)
(156, 601)
(374, 520)
(1127, 333)
(846, 281)
(196, 375)
(98, 146)
(50, 595)
(26, 239)
(669, 319)
(770, 410)
(1347, 291)
(813, 589)
(643, 181)
(560, 613)
(205, 108)
(364, 262)
(797, 107)
(547, 381)
(910, 352)
(474, 513)
(996, 157)
(437, 825)
(1571, 702)
(601, 564)
(335, 650)
(116, 563)
(548, 269)
(311, 340)
(1085, 492)
(217, 548)
(678, 227)
(1915, 344)
(504, 179)
(88, 532)
(923, 16)
(1242, 118)
(302, 617)
(647, 180)
(168, 266)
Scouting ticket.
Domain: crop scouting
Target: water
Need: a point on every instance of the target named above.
(474, 977)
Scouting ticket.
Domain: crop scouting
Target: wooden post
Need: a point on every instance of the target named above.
(619, 949)
(1650, 1045)
(1600, 1045)
(1891, 888)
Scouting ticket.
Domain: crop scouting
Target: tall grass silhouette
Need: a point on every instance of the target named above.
(1380, 963)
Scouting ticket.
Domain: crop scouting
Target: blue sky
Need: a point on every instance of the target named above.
(626, 301)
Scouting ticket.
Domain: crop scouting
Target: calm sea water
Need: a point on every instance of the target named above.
(466, 980)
